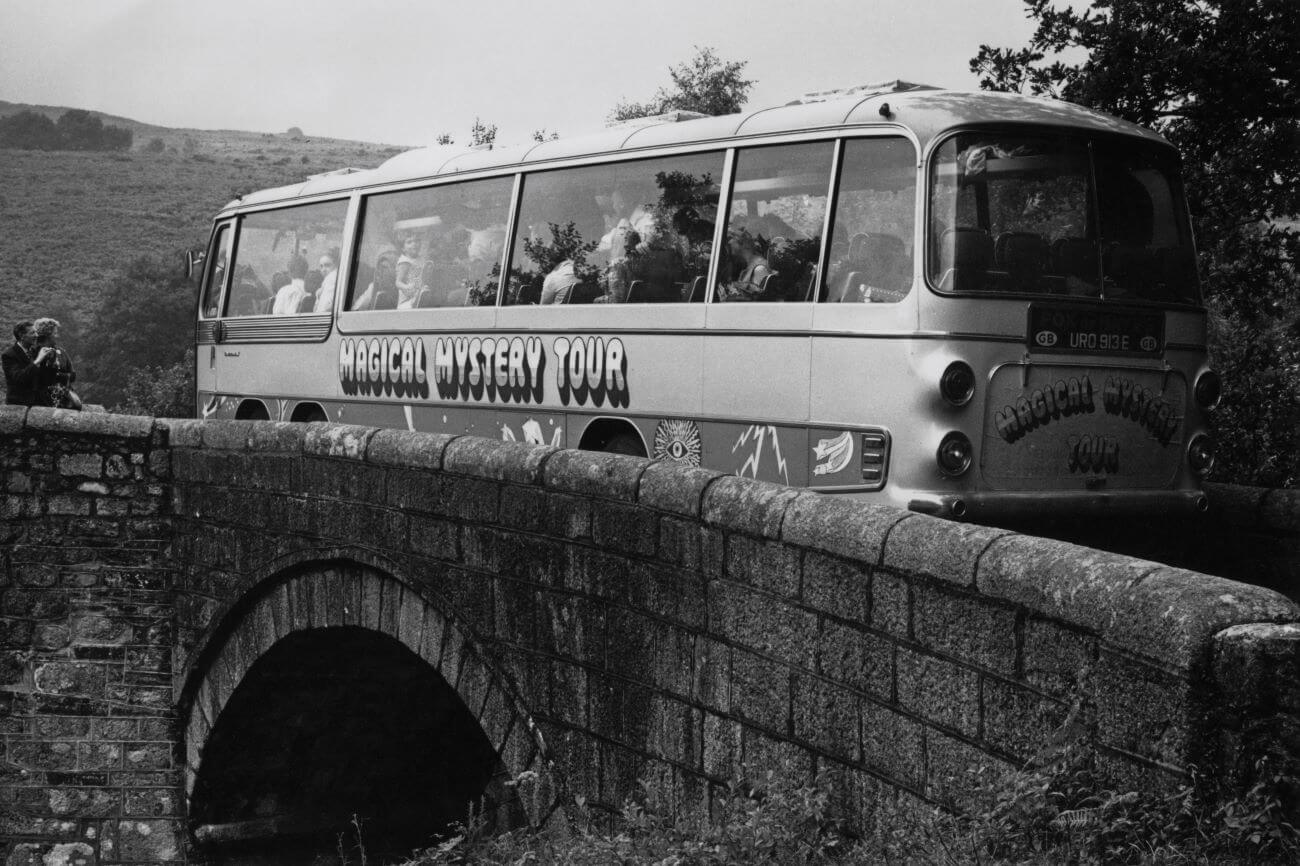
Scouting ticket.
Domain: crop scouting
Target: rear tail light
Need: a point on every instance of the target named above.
(954, 454)
(1200, 455)
(1209, 388)
(957, 384)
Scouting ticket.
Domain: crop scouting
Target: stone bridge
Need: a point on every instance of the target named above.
(219, 641)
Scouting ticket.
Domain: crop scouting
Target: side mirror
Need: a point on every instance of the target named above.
(194, 262)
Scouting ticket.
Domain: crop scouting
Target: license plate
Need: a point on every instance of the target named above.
(1095, 331)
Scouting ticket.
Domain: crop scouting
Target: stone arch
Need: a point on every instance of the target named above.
(345, 598)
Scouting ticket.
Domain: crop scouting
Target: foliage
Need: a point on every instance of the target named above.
(1056, 812)
(75, 129)
(1220, 79)
(160, 391)
(540, 135)
(705, 83)
(141, 331)
(482, 134)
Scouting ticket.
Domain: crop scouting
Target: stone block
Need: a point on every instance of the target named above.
(1144, 710)
(337, 440)
(673, 667)
(515, 611)
(827, 715)
(939, 691)
(515, 462)
(149, 840)
(567, 516)
(594, 473)
(941, 549)
(712, 686)
(1056, 658)
(571, 626)
(893, 744)
(891, 604)
(1173, 614)
(759, 622)
(675, 732)
(629, 649)
(837, 587)
(721, 756)
(858, 659)
(846, 528)
(625, 528)
(430, 536)
(672, 487)
(1021, 722)
(744, 505)
(955, 768)
(12, 419)
(769, 566)
(523, 508)
(70, 678)
(760, 691)
(180, 432)
(976, 630)
(763, 754)
(81, 465)
(403, 449)
(69, 423)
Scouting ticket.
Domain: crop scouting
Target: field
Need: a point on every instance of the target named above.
(70, 222)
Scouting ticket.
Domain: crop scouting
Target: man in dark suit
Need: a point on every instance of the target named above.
(20, 366)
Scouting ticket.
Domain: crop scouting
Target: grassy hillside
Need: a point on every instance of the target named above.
(70, 222)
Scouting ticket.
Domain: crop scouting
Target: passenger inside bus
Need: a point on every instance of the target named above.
(755, 275)
(381, 293)
(329, 270)
(288, 295)
(407, 274)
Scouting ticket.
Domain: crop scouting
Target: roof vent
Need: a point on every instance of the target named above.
(860, 91)
(335, 173)
(666, 117)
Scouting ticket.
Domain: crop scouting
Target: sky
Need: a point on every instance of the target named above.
(403, 71)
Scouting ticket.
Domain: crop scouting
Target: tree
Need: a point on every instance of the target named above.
(1221, 80)
(481, 134)
(141, 331)
(705, 83)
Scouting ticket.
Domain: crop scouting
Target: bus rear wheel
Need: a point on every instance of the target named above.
(624, 443)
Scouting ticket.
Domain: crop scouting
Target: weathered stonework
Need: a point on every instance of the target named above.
(605, 620)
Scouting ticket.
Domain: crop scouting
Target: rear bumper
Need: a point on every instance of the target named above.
(991, 506)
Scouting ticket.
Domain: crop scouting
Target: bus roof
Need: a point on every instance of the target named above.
(924, 111)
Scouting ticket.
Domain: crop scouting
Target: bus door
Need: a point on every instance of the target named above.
(211, 298)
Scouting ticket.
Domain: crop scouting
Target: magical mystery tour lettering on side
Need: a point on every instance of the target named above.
(589, 371)
(1076, 395)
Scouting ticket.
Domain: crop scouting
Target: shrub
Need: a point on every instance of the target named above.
(1056, 813)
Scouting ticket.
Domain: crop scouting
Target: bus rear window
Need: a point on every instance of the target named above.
(1059, 215)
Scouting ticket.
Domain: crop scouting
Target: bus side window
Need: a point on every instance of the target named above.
(622, 233)
(774, 230)
(275, 262)
(871, 256)
(432, 247)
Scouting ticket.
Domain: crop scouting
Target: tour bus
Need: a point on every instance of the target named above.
(966, 304)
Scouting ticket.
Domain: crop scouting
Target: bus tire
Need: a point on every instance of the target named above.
(624, 443)
(252, 410)
(308, 413)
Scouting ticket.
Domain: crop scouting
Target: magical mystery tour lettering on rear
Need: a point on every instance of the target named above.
(1076, 395)
(589, 371)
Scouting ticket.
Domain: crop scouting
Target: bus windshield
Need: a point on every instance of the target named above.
(1060, 215)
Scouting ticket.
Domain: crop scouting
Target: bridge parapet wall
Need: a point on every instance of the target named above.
(670, 625)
